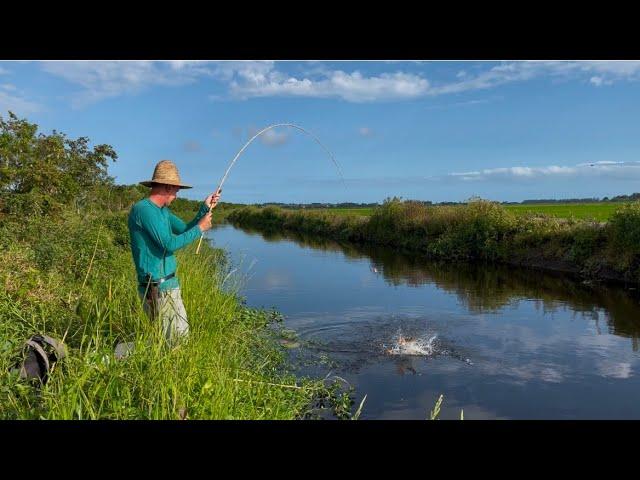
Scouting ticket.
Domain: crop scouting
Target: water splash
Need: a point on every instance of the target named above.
(350, 342)
(406, 345)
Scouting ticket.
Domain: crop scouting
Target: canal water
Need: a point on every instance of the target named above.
(497, 342)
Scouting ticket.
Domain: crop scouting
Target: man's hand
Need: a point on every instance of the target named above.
(212, 200)
(205, 222)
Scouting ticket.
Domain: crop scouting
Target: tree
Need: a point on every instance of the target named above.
(42, 173)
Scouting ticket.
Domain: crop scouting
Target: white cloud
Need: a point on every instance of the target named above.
(271, 137)
(617, 68)
(621, 170)
(16, 103)
(602, 162)
(14, 99)
(251, 71)
(99, 80)
(352, 87)
(606, 72)
(507, 72)
(106, 79)
(365, 131)
(250, 79)
(188, 65)
(624, 171)
(356, 87)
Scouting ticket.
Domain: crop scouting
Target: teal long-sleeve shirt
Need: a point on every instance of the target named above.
(156, 233)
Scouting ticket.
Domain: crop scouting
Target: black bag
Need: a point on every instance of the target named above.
(39, 355)
(152, 295)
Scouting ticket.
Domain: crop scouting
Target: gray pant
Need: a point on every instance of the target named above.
(173, 315)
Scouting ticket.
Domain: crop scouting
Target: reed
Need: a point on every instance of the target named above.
(230, 367)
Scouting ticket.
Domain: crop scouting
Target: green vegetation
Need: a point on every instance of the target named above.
(66, 271)
(479, 230)
(364, 211)
(600, 211)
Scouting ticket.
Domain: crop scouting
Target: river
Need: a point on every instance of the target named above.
(498, 342)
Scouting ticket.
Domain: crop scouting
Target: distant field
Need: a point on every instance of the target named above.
(597, 211)
(344, 211)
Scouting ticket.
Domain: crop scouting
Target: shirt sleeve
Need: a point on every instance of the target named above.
(159, 230)
(178, 226)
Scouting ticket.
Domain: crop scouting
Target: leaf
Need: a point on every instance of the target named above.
(359, 411)
(436, 410)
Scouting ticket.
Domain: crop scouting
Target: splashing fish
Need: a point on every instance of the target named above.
(412, 346)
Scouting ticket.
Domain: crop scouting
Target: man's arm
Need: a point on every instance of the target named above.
(178, 226)
(160, 232)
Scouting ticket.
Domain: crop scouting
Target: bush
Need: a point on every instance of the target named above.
(624, 237)
(624, 228)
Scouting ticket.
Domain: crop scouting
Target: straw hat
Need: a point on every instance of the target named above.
(165, 172)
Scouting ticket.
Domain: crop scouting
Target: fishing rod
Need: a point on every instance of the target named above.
(291, 125)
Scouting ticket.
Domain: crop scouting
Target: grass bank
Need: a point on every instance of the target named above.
(478, 231)
(231, 367)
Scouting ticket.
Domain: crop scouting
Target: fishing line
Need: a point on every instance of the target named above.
(291, 125)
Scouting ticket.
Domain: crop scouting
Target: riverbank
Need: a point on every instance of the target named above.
(478, 231)
(82, 290)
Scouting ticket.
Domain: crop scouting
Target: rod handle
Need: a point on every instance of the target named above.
(199, 243)
(218, 190)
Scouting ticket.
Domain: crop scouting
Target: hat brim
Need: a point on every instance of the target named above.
(151, 183)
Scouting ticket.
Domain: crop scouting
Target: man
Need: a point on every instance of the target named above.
(156, 234)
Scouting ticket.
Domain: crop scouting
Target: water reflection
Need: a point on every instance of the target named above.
(488, 288)
(509, 342)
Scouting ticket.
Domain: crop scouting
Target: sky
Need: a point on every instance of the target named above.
(422, 130)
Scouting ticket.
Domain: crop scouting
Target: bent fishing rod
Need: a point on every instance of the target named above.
(291, 125)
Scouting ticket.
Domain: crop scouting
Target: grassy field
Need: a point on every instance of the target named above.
(596, 211)
(344, 211)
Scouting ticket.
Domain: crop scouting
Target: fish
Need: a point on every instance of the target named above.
(410, 346)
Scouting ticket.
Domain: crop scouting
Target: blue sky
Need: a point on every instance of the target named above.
(434, 130)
